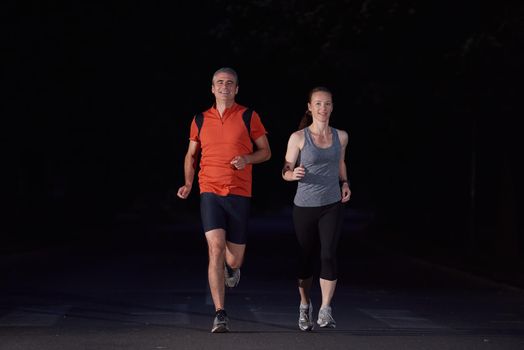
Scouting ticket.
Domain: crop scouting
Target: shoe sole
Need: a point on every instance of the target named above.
(308, 329)
(328, 325)
(220, 329)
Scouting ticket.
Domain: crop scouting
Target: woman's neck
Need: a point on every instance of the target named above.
(320, 128)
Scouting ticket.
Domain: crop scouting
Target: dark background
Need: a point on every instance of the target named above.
(98, 98)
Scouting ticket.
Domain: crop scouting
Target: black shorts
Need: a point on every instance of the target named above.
(229, 212)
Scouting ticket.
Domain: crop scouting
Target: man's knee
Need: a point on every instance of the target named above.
(235, 255)
(216, 244)
(235, 263)
(216, 250)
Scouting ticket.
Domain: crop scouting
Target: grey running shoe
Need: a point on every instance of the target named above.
(231, 276)
(305, 318)
(221, 322)
(325, 319)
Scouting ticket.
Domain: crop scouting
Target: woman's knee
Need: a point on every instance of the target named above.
(329, 267)
(330, 274)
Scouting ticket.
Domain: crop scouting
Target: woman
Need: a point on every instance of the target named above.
(315, 158)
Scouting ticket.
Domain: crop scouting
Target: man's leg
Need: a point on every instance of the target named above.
(237, 208)
(234, 259)
(216, 242)
(235, 254)
(214, 222)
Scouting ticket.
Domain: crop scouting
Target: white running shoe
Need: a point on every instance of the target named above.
(221, 322)
(231, 276)
(325, 319)
(305, 318)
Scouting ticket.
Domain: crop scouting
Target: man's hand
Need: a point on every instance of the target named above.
(184, 191)
(239, 162)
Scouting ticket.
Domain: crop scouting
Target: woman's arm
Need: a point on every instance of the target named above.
(294, 145)
(342, 169)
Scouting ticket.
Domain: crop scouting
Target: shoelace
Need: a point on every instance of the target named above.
(304, 314)
(221, 315)
(325, 315)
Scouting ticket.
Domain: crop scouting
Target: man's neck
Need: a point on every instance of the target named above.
(221, 106)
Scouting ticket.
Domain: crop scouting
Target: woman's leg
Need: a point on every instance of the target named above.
(305, 222)
(330, 225)
(307, 237)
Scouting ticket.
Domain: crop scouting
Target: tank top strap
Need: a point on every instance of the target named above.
(307, 136)
(336, 140)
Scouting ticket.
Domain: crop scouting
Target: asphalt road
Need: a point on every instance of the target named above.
(149, 291)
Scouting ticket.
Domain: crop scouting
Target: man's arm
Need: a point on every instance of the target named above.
(262, 153)
(190, 160)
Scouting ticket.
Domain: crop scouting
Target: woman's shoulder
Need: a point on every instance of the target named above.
(343, 135)
(299, 134)
(297, 137)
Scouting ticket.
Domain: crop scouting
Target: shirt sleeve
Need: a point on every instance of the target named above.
(257, 128)
(193, 131)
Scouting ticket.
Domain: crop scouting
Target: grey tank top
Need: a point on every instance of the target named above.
(320, 186)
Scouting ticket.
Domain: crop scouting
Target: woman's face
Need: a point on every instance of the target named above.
(321, 106)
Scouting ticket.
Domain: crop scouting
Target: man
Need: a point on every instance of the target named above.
(224, 135)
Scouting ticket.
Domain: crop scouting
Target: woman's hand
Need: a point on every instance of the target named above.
(298, 173)
(346, 192)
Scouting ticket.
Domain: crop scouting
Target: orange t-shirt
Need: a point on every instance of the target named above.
(222, 139)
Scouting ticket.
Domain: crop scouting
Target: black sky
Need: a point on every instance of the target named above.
(98, 99)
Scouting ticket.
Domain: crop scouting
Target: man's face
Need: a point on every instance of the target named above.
(224, 87)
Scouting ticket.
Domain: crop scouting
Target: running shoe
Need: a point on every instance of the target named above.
(305, 317)
(231, 276)
(325, 319)
(221, 322)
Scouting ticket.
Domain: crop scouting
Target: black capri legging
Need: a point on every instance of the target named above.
(316, 226)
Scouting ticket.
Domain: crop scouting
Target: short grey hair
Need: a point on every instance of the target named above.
(225, 70)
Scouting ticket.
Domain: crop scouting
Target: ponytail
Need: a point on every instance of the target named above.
(306, 120)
